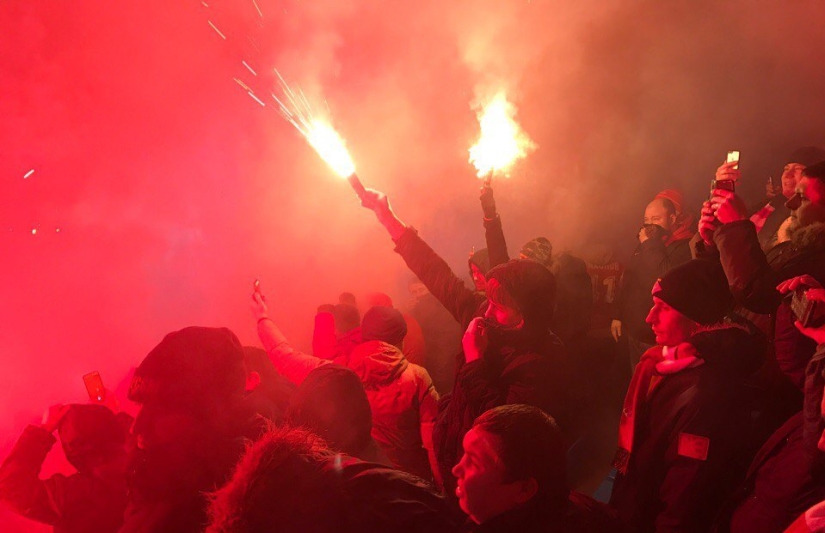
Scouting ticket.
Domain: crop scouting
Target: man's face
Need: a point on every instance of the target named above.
(669, 325)
(790, 178)
(655, 213)
(479, 279)
(808, 204)
(481, 490)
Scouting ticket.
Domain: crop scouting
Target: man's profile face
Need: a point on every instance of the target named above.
(669, 325)
(479, 279)
(482, 490)
(418, 289)
(808, 204)
(655, 213)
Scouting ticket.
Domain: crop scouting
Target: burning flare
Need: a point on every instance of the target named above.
(319, 133)
(502, 140)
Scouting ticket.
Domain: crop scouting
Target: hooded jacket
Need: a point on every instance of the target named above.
(527, 365)
(690, 435)
(402, 398)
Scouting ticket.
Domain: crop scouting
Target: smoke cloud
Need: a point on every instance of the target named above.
(172, 189)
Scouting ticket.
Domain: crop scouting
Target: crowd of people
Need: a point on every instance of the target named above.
(481, 407)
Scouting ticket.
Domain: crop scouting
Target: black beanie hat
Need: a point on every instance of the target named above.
(699, 290)
(383, 324)
(481, 259)
(197, 369)
(807, 155)
(88, 432)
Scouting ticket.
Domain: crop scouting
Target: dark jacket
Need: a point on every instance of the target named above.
(525, 366)
(168, 492)
(651, 260)
(72, 504)
(581, 514)
(787, 476)
(574, 291)
(752, 279)
(691, 437)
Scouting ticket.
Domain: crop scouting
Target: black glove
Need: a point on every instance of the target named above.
(488, 203)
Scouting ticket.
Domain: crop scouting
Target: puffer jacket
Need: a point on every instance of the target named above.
(403, 400)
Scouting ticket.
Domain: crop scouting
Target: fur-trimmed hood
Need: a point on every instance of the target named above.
(811, 238)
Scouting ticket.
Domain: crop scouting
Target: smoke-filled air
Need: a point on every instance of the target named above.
(154, 162)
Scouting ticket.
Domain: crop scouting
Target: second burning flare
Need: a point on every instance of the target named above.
(502, 141)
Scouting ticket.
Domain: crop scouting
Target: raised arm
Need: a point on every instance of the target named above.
(291, 363)
(493, 231)
(430, 268)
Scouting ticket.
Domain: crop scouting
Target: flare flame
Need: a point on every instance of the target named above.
(502, 141)
(319, 133)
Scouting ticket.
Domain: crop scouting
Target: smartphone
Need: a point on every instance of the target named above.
(810, 313)
(94, 386)
(733, 155)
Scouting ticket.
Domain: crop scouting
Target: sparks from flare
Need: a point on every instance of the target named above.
(502, 141)
(319, 133)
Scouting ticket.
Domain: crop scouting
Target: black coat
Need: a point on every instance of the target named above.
(651, 260)
(787, 476)
(673, 483)
(581, 514)
(516, 368)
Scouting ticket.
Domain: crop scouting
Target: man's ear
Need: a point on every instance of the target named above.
(673, 220)
(253, 379)
(529, 488)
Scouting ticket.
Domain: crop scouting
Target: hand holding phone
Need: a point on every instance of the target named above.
(94, 386)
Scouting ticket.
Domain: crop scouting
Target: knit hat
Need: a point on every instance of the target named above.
(807, 155)
(197, 369)
(698, 289)
(383, 324)
(90, 431)
(539, 249)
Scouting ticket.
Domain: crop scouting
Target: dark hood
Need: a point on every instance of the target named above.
(481, 259)
(731, 348)
(377, 363)
(533, 287)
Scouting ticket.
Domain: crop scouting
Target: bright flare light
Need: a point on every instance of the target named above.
(502, 140)
(320, 134)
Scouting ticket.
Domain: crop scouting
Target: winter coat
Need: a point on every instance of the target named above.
(581, 514)
(690, 436)
(171, 495)
(651, 260)
(72, 504)
(772, 213)
(787, 476)
(526, 366)
(752, 279)
(402, 398)
(574, 292)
